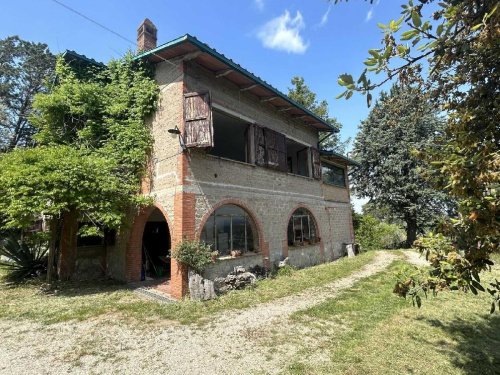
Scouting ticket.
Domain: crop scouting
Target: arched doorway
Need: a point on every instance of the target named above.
(156, 245)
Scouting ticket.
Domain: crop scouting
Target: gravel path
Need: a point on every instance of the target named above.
(231, 344)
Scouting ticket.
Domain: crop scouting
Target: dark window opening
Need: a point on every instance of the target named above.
(229, 228)
(302, 228)
(156, 247)
(333, 175)
(230, 137)
(297, 158)
(107, 239)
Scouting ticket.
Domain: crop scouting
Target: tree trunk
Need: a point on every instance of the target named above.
(411, 231)
(67, 245)
(54, 226)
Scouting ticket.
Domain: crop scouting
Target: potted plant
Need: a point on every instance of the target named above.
(196, 256)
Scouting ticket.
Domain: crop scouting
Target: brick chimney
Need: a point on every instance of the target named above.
(146, 36)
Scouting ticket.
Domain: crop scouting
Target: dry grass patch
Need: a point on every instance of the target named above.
(82, 301)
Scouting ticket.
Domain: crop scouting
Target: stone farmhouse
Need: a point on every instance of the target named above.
(235, 164)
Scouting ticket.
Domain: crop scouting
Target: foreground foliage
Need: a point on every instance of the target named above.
(22, 259)
(459, 40)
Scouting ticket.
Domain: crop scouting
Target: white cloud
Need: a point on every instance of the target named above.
(259, 4)
(369, 15)
(283, 33)
(324, 18)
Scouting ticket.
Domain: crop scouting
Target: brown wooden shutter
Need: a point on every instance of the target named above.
(198, 124)
(316, 163)
(275, 149)
(260, 146)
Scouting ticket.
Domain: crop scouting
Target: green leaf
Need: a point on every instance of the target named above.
(370, 62)
(415, 17)
(477, 285)
(347, 79)
(382, 26)
(341, 95)
(407, 35)
(473, 290)
(349, 94)
(478, 26)
(374, 53)
(419, 301)
(439, 30)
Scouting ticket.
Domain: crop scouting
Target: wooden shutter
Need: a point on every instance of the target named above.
(260, 146)
(198, 124)
(316, 163)
(275, 150)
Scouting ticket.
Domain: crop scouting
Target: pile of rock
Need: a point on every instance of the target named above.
(201, 289)
(238, 279)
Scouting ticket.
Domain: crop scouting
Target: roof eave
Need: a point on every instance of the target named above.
(324, 126)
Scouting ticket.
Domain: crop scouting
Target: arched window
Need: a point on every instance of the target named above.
(302, 228)
(230, 228)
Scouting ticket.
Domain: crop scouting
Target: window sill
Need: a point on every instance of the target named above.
(334, 185)
(246, 255)
(291, 247)
(299, 175)
(231, 160)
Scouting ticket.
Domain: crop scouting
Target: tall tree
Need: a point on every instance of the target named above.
(25, 68)
(303, 95)
(91, 153)
(401, 122)
(459, 40)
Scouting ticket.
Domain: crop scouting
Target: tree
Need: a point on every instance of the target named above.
(25, 69)
(301, 93)
(400, 122)
(459, 41)
(91, 154)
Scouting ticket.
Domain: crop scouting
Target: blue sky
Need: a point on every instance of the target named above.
(274, 39)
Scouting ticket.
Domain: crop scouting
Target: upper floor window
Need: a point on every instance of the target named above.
(333, 175)
(231, 137)
(302, 228)
(229, 228)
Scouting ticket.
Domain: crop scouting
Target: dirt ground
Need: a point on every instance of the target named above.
(233, 343)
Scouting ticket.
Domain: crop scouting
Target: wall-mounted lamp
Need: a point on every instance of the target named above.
(174, 131)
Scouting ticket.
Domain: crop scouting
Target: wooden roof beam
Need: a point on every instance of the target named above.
(285, 109)
(223, 73)
(249, 87)
(300, 117)
(268, 99)
(191, 56)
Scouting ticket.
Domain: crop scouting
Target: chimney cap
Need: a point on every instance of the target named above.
(147, 22)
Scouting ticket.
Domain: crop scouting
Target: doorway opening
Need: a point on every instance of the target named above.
(156, 245)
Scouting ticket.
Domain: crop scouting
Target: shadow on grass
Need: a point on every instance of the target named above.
(477, 351)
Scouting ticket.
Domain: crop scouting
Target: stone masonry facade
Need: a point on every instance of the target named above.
(187, 185)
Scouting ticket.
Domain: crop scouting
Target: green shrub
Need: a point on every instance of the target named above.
(22, 259)
(374, 234)
(194, 254)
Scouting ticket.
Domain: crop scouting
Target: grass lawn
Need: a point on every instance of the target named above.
(81, 301)
(368, 330)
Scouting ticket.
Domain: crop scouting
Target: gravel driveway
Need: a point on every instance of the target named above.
(229, 345)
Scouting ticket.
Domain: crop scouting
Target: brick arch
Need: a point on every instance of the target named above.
(134, 245)
(318, 229)
(263, 245)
